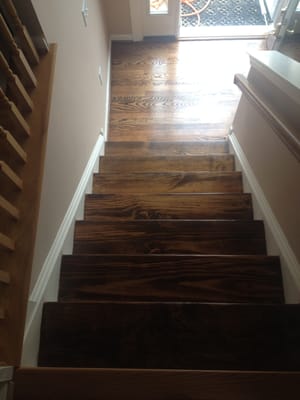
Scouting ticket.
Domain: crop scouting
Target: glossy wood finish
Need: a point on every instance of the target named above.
(166, 148)
(228, 279)
(175, 91)
(168, 206)
(185, 182)
(171, 335)
(169, 237)
(167, 163)
(93, 384)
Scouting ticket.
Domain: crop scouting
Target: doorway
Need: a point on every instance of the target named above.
(227, 18)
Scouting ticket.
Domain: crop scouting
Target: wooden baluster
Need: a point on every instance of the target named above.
(9, 144)
(22, 33)
(23, 68)
(4, 277)
(7, 173)
(2, 313)
(15, 86)
(6, 242)
(11, 118)
(7, 207)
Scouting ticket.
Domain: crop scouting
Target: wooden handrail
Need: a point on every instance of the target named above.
(16, 88)
(9, 143)
(8, 173)
(6, 242)
(9, 208)
(4, 277)
(282, 130)
(23, 68)
(11, 117)
(24, 38)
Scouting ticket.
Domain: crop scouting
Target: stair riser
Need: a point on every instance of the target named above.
(170, 237)
(205, 279)
(167, 164)
(168, 183)
(131, 207)
(166, 149)
(165, 335)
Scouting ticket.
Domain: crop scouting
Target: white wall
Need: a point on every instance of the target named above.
(78, 108)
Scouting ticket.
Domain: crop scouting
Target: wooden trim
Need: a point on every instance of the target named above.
(9, 208)
(11, 117)
(4, 277)
(282, 130)
(9, 174)
(26, 41)
(6, 242)
(17, 90)
(24, 70)
(8, 141)
(19, 263)
(30, 383)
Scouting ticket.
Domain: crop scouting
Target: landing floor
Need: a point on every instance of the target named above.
(176, 91)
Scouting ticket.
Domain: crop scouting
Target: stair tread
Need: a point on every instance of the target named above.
(171, 335)
(170, 237)
(186, 278)
(167, 148)
(170, 205)
(158, 182)
(83, 383)
(193, 163)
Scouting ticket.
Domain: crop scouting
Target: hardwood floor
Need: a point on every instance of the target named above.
(176, 91)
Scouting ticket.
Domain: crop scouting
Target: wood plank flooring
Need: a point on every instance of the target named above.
(175, 91)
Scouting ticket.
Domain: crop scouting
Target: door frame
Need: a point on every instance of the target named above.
(139, 11)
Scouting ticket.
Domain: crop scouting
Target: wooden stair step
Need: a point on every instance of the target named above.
(171, 335)
(170, 237)
(166, 148)
(190, 182)
(227, 279)
(116, 164)
(93, 384)
(168, 206)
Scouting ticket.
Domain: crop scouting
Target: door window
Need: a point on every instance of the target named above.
(158, 7)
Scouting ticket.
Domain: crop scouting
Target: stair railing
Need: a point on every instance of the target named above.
(26, 75)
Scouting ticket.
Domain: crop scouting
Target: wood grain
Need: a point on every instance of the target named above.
(168, 206)
(171, 335)
(224, 279)
(186, 182)
(169, 237)
(166, 148)
(167, 163)
(93, 384)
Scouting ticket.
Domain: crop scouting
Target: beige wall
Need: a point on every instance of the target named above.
(118, 16)
(78, 108)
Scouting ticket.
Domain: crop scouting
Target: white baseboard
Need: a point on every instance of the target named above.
(127, 38)
(46, 287)
(277, 242)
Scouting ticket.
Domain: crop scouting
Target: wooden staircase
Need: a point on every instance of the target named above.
(169, 291)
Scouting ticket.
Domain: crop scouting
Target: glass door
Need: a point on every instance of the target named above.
(152, 18)
(283, 24)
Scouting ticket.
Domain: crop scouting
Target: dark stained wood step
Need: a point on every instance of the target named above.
(227, 279)
(166, 148)
(169, 237)
(171, 335)
(220, 162)
(201, 182)
(95, 384)
(168, 206)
